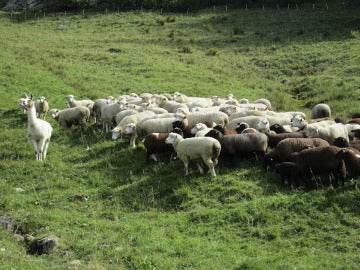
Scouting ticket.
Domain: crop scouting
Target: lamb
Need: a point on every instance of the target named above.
(122, 114)
(39, 131)
(195, 149)
(292, 172)
(200, 129)
(71, 116)
(240, 145)
(282, 151)
(42, 107)
(274, 139)
(321, 161)
(352, 162)
(155, 143)
(321, 110)
(329, 133)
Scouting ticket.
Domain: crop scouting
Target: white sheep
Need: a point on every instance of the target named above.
(39, 131)
(129, 119)
(72, 102)
(109, 111)
(42, 107)
(321, 110)
(79, 115)
(98, 105)
(200, 129)
(194, 149)
(258, 122)
(192, 118)
(301, 123)
(170, 105)
(328, 133)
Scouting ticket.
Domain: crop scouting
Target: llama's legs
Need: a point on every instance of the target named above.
(46, 145)
(35, 145)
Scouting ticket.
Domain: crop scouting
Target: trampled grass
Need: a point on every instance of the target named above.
(111, 209)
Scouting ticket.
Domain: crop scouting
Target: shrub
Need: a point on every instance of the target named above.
(187, 48)
(213, 52)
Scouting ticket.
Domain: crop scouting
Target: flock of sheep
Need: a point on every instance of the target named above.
(205, 130)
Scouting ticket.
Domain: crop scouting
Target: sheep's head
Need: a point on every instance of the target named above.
(54, 113)
(198, 127)
(298, 121)
(130, 128)
(172, 138)
(70, 98)
(216, 134)
(263, 126)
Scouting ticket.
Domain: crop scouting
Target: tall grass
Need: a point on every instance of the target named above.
(138, 215)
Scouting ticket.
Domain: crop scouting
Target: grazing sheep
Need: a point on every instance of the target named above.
(129, 121)
(274, 139)
(292, 172)
(329, 133)
(200, 129)
(282, 151)
(71, 116)
(225, 131)
(354, 121)
(258, 122)
(195, 149)
(342, 142)
(352, 130)
(109, 111)
(72, 102)
(321, 110)
(170, 105)
(122, 114)
(352, 162)
(98, 104)
(321, 161)
(264, 101)
(240, 145)
(42, 107)
(192, 118)
(187, 128)
(38, 130)
(302, 124)
(155, 143)
(245, 112)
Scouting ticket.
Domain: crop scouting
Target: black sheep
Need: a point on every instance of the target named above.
(292, 172)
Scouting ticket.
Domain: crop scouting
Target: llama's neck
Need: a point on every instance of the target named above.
(31, 112)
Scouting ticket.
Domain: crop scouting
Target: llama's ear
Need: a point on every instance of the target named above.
(31, 96)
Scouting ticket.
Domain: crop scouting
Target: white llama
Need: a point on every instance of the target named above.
(38, 130)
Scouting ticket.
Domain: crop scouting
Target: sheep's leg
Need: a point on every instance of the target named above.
(153, 156)
(200, 168)
(133, 140)
(210, 164)
(186, 165)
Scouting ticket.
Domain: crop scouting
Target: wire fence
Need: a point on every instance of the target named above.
(27, 14)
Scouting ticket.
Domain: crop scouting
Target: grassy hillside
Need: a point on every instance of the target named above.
(150, 216)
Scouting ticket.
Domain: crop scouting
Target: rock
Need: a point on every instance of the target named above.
(7, 223)
(44, 245)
